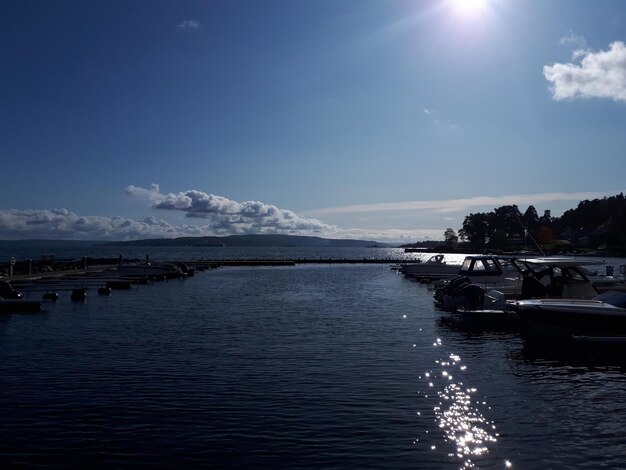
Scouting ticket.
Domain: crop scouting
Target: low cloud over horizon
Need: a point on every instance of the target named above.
(63, 223)
(458, 205)
(221, 216)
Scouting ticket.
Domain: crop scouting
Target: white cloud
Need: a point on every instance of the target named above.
(227, 216)
(62, 223)
(458, 205)
(579, 41)
(436, 118)
(221, 216)
(65, 224)
(599, 75)
(189, 24)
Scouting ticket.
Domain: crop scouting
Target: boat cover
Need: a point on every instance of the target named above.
(616, 298)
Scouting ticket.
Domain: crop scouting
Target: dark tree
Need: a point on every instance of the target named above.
(546, 219)
(450, 238)
(508, 220)
(531, 219)
(476, 229)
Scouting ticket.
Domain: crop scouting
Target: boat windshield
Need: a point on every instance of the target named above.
(573, 274)
(481, 265)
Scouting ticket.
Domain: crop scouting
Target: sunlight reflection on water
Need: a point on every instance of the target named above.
(457, 414)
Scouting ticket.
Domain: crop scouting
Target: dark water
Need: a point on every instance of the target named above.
(313, 366)
(185, 253)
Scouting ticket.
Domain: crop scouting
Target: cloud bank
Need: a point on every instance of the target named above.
(598, 75)
(220, 216)
(225, 216)
(64, 224)
(458, 205)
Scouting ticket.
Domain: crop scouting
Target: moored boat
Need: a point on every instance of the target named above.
(603, 316)
(556, 277)
(477, 275)
(436, 267)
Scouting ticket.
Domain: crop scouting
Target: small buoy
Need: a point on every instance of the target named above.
(79, 294)
(622, 268)
(52, 296)
(104, 291)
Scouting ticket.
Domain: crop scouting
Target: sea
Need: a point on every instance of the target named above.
(316, 366)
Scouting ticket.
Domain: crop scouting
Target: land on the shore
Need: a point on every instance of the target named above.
(253, 241)
(226, 241)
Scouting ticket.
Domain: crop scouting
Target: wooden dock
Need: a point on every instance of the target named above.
(108, 267)
(77, 279)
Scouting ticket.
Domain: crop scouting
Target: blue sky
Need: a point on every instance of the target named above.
(356, 118)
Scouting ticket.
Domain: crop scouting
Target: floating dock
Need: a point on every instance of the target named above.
(77, 278)
(103, 267)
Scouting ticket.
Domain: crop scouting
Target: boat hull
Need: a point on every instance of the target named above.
(572, 316)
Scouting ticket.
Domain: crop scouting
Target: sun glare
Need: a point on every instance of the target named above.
(469, 7)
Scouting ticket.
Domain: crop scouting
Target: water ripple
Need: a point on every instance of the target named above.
(469, 435)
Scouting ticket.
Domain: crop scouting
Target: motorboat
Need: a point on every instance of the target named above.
(604, 316)
(556, 299)
(484, 282)
(556, 277)
(477, 275)
(491, 272)
(436, 267)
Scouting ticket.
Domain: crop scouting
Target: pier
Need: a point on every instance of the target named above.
(49, 279)
(87, 266)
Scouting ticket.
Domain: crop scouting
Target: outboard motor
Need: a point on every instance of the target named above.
(469, 296)
(459, 293)
(449, 287)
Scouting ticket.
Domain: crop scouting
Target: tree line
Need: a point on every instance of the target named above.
(592, 225)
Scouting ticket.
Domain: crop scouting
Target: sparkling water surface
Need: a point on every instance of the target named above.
(312, 366)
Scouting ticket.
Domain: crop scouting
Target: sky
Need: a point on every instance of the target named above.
(388, 120)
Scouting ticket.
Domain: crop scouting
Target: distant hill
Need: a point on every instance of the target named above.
(252, 240)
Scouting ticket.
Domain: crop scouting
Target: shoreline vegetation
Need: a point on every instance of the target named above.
(596, 227)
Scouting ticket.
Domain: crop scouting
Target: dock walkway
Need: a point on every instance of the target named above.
(110, 268)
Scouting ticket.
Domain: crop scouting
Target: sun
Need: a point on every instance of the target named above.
(469, 7)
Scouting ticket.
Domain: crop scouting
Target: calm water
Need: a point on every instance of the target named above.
(295, 367)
